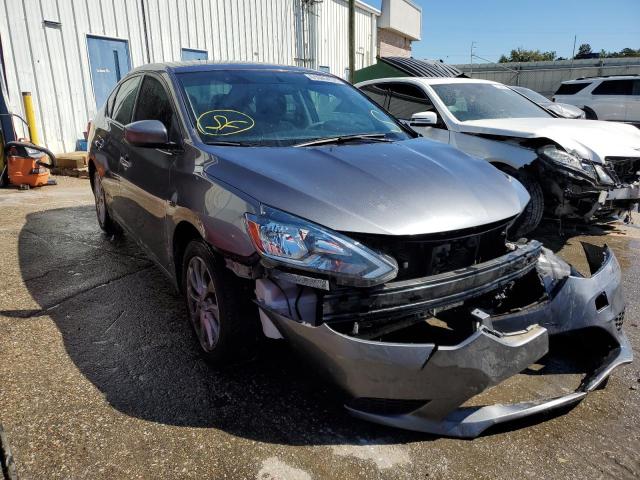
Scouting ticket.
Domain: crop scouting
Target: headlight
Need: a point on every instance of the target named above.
(281, 238)
(560, 156)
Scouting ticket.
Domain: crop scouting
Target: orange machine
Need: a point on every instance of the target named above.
(25, 165)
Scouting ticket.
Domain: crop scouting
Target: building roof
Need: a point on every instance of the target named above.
(422, 68)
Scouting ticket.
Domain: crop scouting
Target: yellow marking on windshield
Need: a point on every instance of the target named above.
(224, 122)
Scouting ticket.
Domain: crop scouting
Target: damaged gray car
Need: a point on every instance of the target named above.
(283, 203)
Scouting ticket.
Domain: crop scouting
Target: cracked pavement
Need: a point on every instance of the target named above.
(100, 377)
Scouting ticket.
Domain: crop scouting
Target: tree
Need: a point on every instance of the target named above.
(584, 51)
(522, 55)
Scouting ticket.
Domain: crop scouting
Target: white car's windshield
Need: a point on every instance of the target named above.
(481, 101)
(532, 95)
(276, 108)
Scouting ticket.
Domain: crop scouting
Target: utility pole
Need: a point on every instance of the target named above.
(473, 44)
(352, 39)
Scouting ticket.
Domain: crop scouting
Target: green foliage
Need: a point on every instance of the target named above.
(522, 55)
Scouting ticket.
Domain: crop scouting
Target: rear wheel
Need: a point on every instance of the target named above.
(532, 215)
(218, 307)
(104, 219)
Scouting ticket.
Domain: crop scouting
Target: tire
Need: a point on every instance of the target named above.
(532, 215)
(589, 114)
(107, 224)
(218, 306)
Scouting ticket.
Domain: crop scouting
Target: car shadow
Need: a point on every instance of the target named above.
(126, 330)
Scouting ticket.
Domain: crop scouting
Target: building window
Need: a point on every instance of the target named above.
(192, 54)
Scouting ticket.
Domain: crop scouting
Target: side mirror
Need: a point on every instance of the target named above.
(147, 134)
(423, 119)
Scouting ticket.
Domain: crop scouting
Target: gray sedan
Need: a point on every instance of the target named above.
(282, 202)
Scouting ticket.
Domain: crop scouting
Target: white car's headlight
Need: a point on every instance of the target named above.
(283, 239)
(562, 157)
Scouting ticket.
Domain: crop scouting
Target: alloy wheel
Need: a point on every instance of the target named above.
(203, 303)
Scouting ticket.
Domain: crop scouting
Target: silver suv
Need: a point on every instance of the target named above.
(604, 98)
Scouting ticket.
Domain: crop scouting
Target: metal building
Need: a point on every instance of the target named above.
(70, 53)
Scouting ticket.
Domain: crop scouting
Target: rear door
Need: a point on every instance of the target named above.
(120, 115)
(609, 99)
(633, 105)
(146, 171)
(405, 99)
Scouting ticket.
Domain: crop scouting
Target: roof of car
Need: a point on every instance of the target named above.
(205, 65)
(602, 77)
(427, 80)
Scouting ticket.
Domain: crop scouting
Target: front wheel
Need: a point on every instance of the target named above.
(529, 220)
(218, 306)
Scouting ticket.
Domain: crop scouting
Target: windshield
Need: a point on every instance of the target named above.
(533, 96)
(275, 108)
(481, 101)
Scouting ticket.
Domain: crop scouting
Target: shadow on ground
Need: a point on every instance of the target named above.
(126, 330)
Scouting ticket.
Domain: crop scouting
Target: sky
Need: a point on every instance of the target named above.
(498, 26)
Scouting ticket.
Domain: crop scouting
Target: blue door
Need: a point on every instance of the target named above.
(109, 62)
(191, 54)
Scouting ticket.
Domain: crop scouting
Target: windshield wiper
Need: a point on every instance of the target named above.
(227, 144)
(376, 137)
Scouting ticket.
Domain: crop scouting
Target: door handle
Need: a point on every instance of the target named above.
(99, 143)
(124, 161)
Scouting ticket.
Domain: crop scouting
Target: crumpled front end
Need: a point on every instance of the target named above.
(412, 353)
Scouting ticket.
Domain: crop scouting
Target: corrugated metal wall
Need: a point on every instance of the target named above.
(545, 77)
(51, 59)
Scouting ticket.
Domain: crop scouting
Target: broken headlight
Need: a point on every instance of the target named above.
(283, 239)
(566, 159)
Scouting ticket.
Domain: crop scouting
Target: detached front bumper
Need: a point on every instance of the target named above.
(421, 386)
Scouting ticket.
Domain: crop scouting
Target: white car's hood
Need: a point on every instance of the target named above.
(591, 139)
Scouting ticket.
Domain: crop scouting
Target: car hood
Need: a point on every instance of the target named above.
(591, 139)
(401, 188)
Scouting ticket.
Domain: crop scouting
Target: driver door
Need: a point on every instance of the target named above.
(145, 172)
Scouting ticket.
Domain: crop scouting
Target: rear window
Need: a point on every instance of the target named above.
(614, 87)
(571, 88)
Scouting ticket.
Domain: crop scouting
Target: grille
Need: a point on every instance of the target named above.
(625, 168)
(619, 320)
(423, 255)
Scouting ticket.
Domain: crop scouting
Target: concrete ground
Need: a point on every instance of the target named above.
(100, 378)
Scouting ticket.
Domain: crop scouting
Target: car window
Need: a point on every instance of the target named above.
(571, 88)
(109, 103)
(154, 104)
(276, 108)
(614, 87)
(481, 101)
(636, 87)
(125, 98)
(406, 99)
(376, 92)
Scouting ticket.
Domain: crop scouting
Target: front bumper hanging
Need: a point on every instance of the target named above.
(426, 384)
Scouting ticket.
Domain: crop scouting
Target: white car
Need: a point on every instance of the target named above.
(604, 98)
(571, 168)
